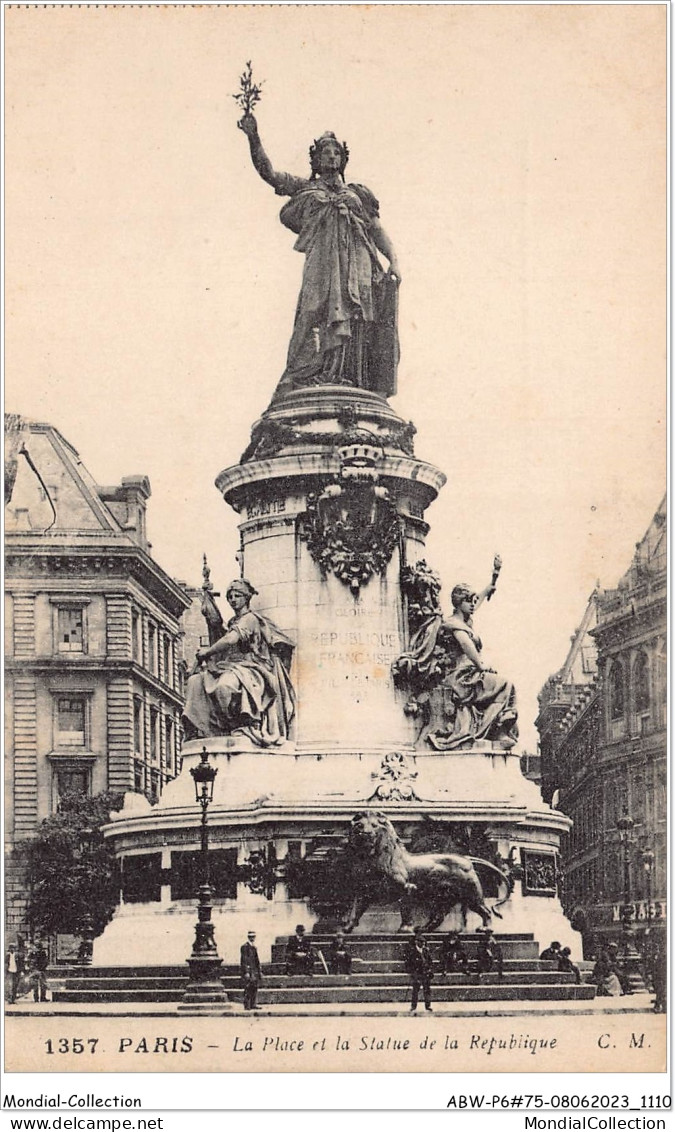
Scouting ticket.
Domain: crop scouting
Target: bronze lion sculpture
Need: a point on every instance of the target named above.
(384, 870)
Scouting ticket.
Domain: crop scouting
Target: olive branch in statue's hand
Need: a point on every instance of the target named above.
(249, 95)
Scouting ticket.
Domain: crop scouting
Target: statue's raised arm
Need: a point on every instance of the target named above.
(487, 593)
(261, 162)
(345, 330)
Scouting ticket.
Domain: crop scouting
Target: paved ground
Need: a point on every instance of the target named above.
(626, 1004)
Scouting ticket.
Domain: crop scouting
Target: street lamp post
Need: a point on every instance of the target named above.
(648, 864)
(625, 826)
(204, 987)
(86, 839)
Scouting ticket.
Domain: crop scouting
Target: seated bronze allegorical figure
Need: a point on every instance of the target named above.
(241, 684)
(459, 698)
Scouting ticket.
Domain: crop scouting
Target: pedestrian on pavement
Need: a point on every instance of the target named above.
(12, 972)
(420, 966)
(251, 972)
(40, 963)
(659, 975)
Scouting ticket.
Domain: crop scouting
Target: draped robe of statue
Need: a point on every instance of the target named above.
(468, 704)
(245, 688)
(345, 321)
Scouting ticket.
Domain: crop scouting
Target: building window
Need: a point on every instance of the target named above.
(641, 683)
(168, 743)
(152, 649)
(168, 666)
(154, 786)
(136, 638)
(71, 714)
(616, 695)
(138, 726)
(139, 778)
(71, 780)
(638, 798)
(70, 628)
(154, 734)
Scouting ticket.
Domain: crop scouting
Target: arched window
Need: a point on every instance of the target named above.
(641, 683)
(660, 671)
(638, 798)
(616, 693)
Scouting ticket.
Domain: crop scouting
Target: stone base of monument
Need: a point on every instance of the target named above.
(271, 813)
(378, 976)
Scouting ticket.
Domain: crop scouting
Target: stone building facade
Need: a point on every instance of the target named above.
(93, 646)
(602, 726)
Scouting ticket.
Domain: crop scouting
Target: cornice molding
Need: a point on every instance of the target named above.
(35, 559)
(107, 667)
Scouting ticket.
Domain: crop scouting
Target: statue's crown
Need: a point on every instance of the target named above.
(315, 150)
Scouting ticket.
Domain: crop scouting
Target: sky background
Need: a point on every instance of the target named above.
(518, 153)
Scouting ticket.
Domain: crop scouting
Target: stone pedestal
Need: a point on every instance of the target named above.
(332, 503)
(324, 459)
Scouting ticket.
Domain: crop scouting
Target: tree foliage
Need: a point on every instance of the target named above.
(73, 876)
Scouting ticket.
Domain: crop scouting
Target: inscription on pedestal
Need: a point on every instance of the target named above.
(346, 687)
(260, 507)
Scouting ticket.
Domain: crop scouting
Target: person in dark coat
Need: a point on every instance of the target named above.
(605, 974)
(12, 972)
(299, 954)
(552, 952)
(453, 956)
(565, 964)
(490, 956)
(659, 975)
(251, 972)
(39, 964)
(420, 966)
(339, 959)
(619, 968)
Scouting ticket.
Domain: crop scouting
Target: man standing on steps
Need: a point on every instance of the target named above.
(420, 966)
(251, 972)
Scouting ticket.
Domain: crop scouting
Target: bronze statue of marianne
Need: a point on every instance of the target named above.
(345, 330)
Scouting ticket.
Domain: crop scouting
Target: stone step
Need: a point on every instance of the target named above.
(361, 967)
(477, 992)
(395, 966)
(357, 978)
(390, 949)
(398, 937)
(67, 971)
(466, 993)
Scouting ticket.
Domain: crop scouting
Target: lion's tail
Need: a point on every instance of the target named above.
(507, 880)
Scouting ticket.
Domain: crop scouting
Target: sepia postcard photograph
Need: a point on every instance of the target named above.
(335, 541)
